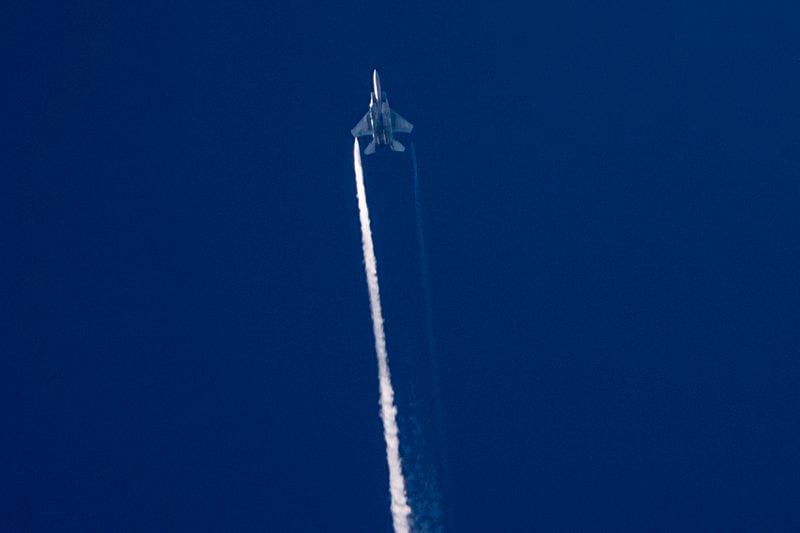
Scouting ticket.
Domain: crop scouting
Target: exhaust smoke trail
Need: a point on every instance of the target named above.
(426, 290)
(435, 500)
(401, 510)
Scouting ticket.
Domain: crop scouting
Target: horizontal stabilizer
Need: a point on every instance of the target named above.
(370, 149)
(397, 147)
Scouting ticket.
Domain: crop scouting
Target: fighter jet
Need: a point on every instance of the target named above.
(380, 121)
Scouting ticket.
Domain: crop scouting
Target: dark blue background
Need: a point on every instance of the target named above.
(611, 198)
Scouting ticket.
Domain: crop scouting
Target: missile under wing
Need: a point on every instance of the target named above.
(380, 121)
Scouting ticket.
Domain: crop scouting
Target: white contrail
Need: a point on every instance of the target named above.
(397, 485)
(429, 514)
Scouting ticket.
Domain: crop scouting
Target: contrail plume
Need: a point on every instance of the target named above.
(436, 503)
(397, 485)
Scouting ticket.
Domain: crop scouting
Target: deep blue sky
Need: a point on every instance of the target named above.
(611, 203)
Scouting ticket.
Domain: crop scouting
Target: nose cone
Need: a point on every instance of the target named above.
(376, 85)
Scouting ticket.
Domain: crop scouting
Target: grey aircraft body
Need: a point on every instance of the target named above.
(380, 121)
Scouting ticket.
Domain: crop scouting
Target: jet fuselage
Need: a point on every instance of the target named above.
(380, 121)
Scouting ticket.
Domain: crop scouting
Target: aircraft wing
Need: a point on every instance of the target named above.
(401, 125)
(363, 127)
